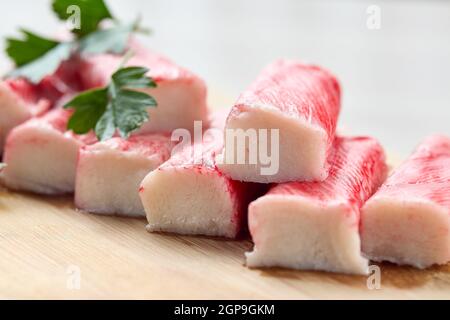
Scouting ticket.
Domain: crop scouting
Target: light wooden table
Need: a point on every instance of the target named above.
(45, 244)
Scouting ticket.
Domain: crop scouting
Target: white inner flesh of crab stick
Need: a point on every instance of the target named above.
(109, 173)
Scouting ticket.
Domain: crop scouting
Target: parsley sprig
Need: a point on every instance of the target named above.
(36, 56)
(118, 107)
(114, 108)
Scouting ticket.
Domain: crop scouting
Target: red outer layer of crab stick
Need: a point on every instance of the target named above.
(315, 225)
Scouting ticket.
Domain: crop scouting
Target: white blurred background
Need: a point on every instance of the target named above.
(396, 79)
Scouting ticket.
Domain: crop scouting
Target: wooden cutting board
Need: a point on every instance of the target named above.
(48, 250)
(45, 244)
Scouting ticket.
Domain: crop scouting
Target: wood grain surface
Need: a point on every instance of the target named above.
(43, 240)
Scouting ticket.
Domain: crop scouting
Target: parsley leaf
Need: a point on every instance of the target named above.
(133, 77)
(36, 56)
(44, 65)
(92, 13)
(115, 107)
(86, 117)
(31, 47)
(113, 40)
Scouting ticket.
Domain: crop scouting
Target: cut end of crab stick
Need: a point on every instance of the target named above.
(18, 103)
(298, 234)
(408, 220)
(406, 232)
(21, 100)
(299, 105)
(109, 173)
(188, 195)
(41, 155)
(315, 225)
(181, 95)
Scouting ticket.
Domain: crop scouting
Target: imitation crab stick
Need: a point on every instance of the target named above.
(189, 195)
(41, 154)
(408, 220)
(109, 173)
(21, 100)
(299, 104)
(315, 225)
(181, 95)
